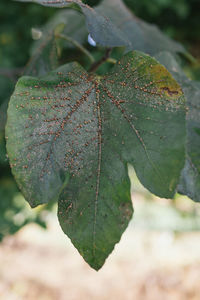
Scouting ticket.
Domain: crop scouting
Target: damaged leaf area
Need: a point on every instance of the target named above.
(70, 136)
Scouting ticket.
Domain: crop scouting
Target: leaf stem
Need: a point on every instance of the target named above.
(76, 44)
(103, 59)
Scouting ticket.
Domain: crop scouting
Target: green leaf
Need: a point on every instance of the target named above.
(44, 56)
(112, 24)
(141, 35)
(71, 134)
(73, 25)
(100, 28)
(6, 87)
(190, 177)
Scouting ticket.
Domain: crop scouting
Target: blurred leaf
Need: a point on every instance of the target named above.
(14, 213)
(141, 35)
(15, 42)
(3, 114)
(75, 132)
(44, 57)
(6, 86)
(190, 178)
(100, 28)
(44, 53)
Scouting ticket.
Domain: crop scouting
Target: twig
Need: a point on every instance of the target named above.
(76, 44)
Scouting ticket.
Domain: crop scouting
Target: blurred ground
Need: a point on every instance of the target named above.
(145, 265)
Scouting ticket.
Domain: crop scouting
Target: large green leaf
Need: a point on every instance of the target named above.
(71, 134)
(141, 35)
(190, 177)
(100, 28)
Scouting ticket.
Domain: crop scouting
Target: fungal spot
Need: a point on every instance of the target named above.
(170, 92)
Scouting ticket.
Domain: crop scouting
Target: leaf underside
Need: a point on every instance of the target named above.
(190, 178)
(71, 134)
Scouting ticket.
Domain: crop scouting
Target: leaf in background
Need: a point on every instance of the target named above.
(6, 86)
(141, 35)
(72, 134)
(14, 211)
(44, 53)
(44, 56)
(3, 114)
(100, 28)
(73, 25)
(8, 209)
(3, 117)
(190, 177)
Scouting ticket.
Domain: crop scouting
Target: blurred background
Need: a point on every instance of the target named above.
(159, 254)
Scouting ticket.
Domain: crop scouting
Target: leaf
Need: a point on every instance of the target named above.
(100, 28)
(44, 56)
(73, 25)
(141, 35)
(136, 33)
(190, 177)
(112, 24)
(71, 135)
(44, 53)
(6, 87)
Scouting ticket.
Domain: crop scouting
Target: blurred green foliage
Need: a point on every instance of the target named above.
(180, 19)
(16, 21)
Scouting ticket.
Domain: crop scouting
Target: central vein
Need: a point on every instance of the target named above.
(99, 132)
